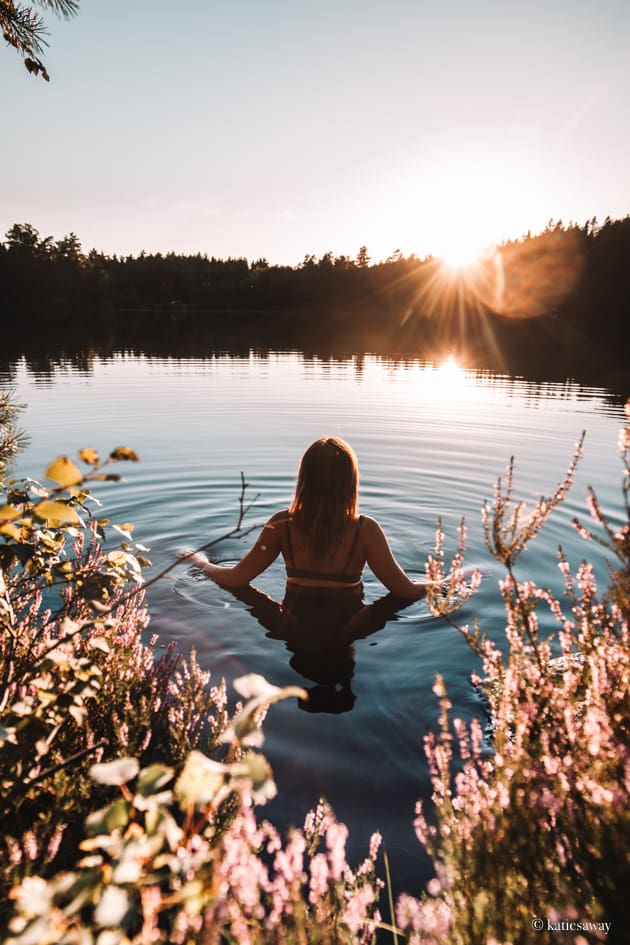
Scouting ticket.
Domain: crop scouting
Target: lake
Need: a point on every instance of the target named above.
(431, 440)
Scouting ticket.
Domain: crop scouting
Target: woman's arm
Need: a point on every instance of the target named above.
(382, 562)
(257, 559)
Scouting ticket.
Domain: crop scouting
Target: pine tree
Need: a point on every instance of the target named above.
(23, 27)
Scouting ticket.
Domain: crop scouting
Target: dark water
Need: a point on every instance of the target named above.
(431, 440)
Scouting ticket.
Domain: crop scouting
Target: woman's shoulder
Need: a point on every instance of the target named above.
(367, 522)
(274, 528)
(279, 518)
(370, 528)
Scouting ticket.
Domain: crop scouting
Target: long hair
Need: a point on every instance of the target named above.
(326, 495)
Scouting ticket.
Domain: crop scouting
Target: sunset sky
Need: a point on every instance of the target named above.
(280, 128)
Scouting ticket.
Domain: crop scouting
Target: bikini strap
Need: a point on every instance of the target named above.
(353, 547)
(290, 560)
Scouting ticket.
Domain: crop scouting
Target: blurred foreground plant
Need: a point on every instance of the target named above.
(77, 684)
(535, 828)
(162, 864)
(118, 825)
(12, 439)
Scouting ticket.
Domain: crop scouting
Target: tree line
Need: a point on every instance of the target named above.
(58, 274)
(555, 299)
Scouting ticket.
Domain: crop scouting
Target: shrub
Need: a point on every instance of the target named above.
(160, 865)
(77, 684)
(86, 711)
(533, 833)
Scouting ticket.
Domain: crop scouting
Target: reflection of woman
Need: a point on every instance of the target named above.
(325, 544)
(319, 632)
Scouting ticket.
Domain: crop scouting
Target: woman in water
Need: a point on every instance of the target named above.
(325, 543)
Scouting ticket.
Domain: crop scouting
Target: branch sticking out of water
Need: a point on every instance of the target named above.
(243, 509)
(237, 530)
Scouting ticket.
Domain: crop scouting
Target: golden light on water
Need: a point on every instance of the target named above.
(445, 382)
(448, 374)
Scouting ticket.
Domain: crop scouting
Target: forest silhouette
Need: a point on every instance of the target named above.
(549, 305)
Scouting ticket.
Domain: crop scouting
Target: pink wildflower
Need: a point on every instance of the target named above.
(375, 844)
(318, 883)
(336, 837)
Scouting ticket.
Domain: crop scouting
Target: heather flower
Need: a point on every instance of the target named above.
(318, 881)
(375, 845)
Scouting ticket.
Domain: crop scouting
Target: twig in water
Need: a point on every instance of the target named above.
(237, 530)
(243, 511)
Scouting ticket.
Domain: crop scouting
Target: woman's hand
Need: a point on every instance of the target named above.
(195, 558)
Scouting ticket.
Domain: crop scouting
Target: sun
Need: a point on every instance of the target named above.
(462, 253)
(462, 241)
(458, 203)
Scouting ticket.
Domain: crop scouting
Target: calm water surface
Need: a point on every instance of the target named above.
(431, 441)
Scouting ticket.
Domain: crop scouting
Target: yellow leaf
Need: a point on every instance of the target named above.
(11, 530)
(124, 452)
(57, 513)
(64, 472)
(89, 455)
(8, 513)
(117, 558)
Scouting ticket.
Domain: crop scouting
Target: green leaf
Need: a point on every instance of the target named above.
(109, 818)
(255, 687)
(64, 472)
(117, 559)
(257, 770)
(201, 780)
(111, 908)
(153, 779)
(7, 735)
(115, 772)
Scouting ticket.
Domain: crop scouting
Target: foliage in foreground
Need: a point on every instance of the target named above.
(128, 790)
(23, 28)
(528, 835)
(77, 684)
(534, 834)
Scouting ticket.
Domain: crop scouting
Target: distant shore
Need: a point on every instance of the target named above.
(547, 307)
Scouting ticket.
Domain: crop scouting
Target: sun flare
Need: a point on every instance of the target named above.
(462, 254)
(460, 202)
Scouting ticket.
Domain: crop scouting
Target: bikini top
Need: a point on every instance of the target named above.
(342, 577)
